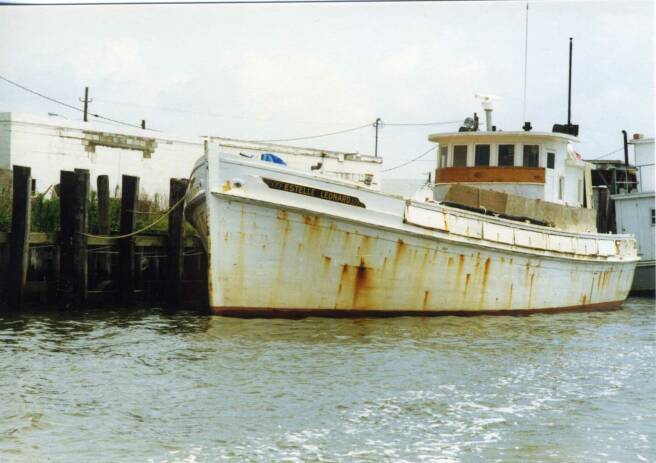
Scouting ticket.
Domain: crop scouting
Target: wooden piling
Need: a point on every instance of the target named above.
(66, 231)
(19, 240)
(103, 260)
(80, 227)
(177, 191)
(129, 196)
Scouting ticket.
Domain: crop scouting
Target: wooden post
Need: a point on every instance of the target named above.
(129, 196)
(80, 226)
(103, 259)
(602, 212)
(55, 275)
(177, 191)
(66, 207)
(19, 246)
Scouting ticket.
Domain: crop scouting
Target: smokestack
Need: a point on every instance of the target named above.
(488, 119)
(626, 150)
(486, 102)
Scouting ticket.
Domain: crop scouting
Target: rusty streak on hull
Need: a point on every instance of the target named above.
(280, 254)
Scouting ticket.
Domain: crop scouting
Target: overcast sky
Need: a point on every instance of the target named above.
(283, 71)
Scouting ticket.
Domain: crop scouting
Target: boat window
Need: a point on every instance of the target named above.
(561, 188)
(482, 155)
(531, 155)
(653, 216)
(444, 151)
(460, 156)
(506, 155)
(551, 160)
(580, 191)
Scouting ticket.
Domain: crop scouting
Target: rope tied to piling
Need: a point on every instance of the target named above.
(147, 227)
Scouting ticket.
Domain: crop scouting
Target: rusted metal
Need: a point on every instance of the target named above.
(393, 257)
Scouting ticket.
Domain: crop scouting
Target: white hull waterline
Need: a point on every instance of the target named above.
(286, 243)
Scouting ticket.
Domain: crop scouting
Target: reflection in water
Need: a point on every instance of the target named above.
(145, 385)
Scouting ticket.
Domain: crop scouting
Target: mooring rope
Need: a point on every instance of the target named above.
(159, 219)
(143, 229)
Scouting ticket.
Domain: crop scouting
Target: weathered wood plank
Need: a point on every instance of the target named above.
(177, 191)
(66, 207)
(104, 262)
(129, 196)
(80, 227)
(20, 231)
(490, 174)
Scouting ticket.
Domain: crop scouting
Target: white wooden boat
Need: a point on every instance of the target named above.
(289, 243)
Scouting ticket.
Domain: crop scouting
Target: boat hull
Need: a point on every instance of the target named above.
(276, 261)
(282, 244)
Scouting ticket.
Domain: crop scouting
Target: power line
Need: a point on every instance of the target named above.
(40, 94)
(353, 129)
(411, 160)
(211, 114)
(418, 124)
(54, 100)
(608, 154)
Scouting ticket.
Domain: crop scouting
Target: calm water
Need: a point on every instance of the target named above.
(131, 386)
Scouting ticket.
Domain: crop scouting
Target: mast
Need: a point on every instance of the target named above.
(569, 86)
(525, 61)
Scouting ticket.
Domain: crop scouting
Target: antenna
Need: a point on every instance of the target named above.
(376, 126)
(569, 86)
(525, 61)
(569, 128)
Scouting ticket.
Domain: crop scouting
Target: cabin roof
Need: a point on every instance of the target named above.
(519, 135)
(294, 150)
(641, 141)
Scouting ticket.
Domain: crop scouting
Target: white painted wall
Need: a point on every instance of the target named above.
(49, 145)
(644, 160)
(355, 167)
(633, 213)
(566, 164)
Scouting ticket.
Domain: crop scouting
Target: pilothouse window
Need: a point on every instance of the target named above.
(531, 155)
(444, 152)
(482, 155)
(551, 160)
(460, 156)
(506, 155)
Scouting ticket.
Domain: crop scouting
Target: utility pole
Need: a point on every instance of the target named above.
(86, 102)
(377, 125)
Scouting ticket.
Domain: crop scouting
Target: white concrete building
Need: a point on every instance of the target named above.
(635, 213)
(49, 145)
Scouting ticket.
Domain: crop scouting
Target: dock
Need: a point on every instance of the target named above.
(73, 268)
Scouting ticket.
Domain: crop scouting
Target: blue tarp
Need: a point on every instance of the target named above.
(270, 157)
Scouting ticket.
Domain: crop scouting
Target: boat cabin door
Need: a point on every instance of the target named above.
(550, 177)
